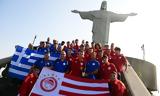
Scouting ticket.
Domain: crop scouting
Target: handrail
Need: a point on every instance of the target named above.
(146, 72)
(134, 83)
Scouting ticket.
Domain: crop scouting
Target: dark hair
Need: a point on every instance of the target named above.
(42, 42)
(104, 57)
(80, 51)
(93, 42)
(81, 45)
(63, 42)
(117, 49)
(36, 67)
(100, 50)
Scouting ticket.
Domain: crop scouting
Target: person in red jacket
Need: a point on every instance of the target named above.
(99, 55)
(93, 45)
(69, 56)
(117, 88)
(108, 54)
(98, 46)
(106, 69)
(76, 46)
(112, 47)
(77, 65)
(88, 53)
(29, 81)
(87, 46)
(119, 60)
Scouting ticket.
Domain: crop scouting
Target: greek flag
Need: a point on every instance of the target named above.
(19, 66)
(39, 55)
(35, 56)
(22, 61)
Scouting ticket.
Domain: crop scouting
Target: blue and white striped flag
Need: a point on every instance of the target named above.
(39, 55)
(22, 61)
(35, 56)
(19, 66)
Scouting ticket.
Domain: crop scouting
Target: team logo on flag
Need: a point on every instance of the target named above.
(48, 84)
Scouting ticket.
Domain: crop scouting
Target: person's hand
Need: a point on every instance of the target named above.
(75, 11)
(132, 14)
(125, 67)
(84, 74)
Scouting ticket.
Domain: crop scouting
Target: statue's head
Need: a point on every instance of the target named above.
(104, 5)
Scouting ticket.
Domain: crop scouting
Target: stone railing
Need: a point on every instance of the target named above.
(134, 84)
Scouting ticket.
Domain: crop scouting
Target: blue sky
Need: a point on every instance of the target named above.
(21, 20)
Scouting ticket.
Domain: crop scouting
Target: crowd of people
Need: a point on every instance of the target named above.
(84, 60)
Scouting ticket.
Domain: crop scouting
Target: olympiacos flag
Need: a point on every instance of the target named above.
(51, 83)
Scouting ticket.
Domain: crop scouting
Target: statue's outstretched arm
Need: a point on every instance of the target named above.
(75, 11)
(85, 14)
(132, 14)
(120, 17)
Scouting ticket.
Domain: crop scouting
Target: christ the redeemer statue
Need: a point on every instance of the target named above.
(101, 21)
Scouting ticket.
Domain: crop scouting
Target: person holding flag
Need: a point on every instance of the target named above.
(29, 81)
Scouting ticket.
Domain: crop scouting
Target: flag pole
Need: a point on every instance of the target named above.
(34, 39)
(143, 54)
(143, 49)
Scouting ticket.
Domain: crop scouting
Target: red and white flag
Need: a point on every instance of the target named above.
(51, 83)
